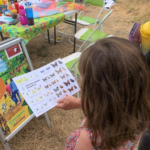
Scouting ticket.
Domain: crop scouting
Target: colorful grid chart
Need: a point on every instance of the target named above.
(42, 88)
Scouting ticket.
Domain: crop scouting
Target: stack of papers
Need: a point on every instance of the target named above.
(5, 19)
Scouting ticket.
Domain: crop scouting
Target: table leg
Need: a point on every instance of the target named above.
(75, 29)
(55, 35)
(48, 35)
(1, 36)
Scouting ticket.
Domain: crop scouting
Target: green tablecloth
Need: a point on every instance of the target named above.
(28, 32)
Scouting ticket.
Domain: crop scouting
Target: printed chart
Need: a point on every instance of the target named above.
(42, 88)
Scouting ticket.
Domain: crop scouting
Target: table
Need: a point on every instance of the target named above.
(71, 22)
(28, 32)
(41, 25)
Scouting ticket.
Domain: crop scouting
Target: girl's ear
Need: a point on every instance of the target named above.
(84, 142)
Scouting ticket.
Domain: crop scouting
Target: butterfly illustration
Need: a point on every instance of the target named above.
(58, 94)
(34, 92)
(50, 85)
(54, 65)
(22, 88)
(71, 80)
(70, 89)
(53, 82)
(38, 89)
(46, 94)
(62, 77)
(31, 101)
(63, 68)
(37, 109)
(42, 71)
(19, 81)
(48, 77)
(41, 97)
(48, 68)
(52, 75)
(45, 79)
(75, 87)
(46, 86)
(67, 83)
(36, 75)
(45, 104)
(49, 99)
(59, 71)
(60, 62)
(64, 91)
(27, 93)
(67, 74)
(57, 89)
(37, 100)
(57, 80)
(61, 86)
(25, 79)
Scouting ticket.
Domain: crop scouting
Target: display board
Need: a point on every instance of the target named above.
(14, 111)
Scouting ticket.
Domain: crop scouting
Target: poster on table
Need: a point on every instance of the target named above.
(13, 107)
(44, 86)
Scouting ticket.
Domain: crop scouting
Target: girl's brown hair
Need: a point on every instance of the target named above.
(115, 91)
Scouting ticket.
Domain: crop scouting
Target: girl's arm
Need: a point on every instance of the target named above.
(69, 102)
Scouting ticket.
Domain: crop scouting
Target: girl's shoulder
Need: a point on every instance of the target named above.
(73, 139)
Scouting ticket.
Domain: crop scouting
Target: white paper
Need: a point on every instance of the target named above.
(42, 88)
(6, 19)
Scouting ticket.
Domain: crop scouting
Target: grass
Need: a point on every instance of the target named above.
(41, 52)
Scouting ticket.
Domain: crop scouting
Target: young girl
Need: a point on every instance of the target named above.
(115, 97)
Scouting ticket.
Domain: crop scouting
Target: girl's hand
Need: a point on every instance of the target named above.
(69, 102)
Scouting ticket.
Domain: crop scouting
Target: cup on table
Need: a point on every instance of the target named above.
(14, 13)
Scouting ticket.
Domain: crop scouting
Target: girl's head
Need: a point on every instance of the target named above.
(115, 91)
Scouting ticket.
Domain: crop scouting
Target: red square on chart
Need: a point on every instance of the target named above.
(13, 51)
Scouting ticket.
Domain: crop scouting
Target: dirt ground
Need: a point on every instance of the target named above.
(36, 135)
